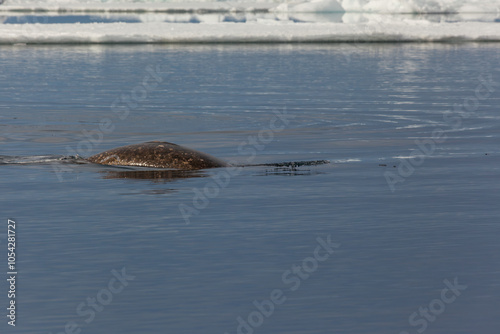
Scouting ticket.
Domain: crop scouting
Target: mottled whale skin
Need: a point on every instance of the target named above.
(157, 154)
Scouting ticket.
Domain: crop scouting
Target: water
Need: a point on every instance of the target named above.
(359, 106)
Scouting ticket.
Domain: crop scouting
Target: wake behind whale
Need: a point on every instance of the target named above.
(39, 159)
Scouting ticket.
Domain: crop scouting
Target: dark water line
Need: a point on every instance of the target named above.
(70, 159)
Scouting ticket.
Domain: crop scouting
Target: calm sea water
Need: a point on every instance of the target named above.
(414, 233)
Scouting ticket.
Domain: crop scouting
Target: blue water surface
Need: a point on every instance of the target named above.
(408, 204)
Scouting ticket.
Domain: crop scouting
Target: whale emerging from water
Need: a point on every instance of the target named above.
(157, 154)
(175, 161)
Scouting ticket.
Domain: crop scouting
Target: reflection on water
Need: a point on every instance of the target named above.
(166, 175)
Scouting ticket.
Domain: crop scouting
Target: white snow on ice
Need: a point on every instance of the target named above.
(175, 21)
(380, 6)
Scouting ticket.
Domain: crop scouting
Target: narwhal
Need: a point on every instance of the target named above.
(170, 161)
(161, 154)
(158, 154)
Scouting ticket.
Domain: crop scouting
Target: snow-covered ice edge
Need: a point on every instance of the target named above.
(138, 7)
(371, 6)
(160, 32)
